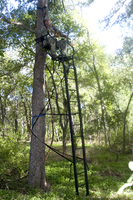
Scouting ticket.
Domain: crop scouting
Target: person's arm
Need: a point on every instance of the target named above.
(59, 33)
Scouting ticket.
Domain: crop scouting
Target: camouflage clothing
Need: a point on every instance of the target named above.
(49, 33)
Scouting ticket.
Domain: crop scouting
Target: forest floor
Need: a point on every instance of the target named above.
(106, 174)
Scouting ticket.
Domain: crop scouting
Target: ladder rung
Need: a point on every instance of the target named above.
(79, 160)
(77, 136)
(72, 90)
(81, 185)
(67, 67)
(80, 173)
(69, 57)
(71, 79)
(74, 113)
(71, 65)
(78, 148)
(76, 124)
(66, 58)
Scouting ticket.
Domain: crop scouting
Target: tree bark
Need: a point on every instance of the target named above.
(37, 152)
(3, 106)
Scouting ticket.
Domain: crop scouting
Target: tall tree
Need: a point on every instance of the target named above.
(37, 151)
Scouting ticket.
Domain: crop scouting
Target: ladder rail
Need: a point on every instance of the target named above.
(72, 126)
(81, 130)
(71, 129)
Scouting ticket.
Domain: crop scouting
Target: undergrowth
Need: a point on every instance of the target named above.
(105, 174)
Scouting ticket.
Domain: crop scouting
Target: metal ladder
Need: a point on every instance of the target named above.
(80, 165)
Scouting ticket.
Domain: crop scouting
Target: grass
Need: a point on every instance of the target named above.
(105, 174)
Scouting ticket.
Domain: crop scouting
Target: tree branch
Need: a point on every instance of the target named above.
(18, 24)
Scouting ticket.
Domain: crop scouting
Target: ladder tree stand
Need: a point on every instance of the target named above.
(79, 164)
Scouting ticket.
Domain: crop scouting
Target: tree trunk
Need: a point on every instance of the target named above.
(52, 140)
(103, 120)
(28, 117)
(57, 135)
(37, 151)
(15, 114)
(64, 140)
(3, 113)
(124, 127)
